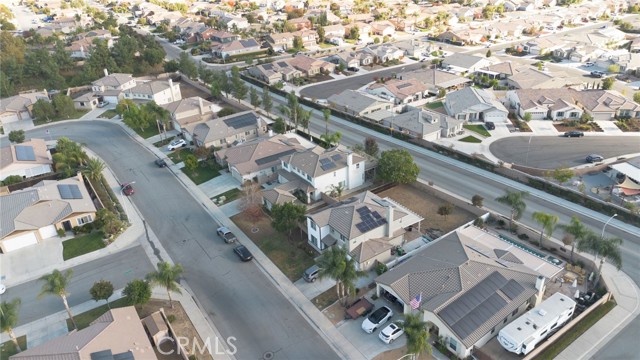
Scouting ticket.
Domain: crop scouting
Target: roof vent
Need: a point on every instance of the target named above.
(542, 312)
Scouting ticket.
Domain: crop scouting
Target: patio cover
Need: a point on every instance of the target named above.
(629, 187)
(628, 168)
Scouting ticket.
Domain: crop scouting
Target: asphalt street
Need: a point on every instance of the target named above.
(238, 297)
(119, 268)
(552, 152)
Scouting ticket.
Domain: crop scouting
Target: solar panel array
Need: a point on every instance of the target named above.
(369, 220)
(336, 157)
(327, 164)
(68, 191)
(25, 153)
(240, 121)
(402, 86)
(471, 310)
(283, 64)
(267, 66)
(274, 157)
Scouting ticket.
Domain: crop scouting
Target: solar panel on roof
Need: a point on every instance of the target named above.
(68, 191)
(240, 121)
(336, 157)
(402, 86)
(267, 66)
(25, 153)
(328, 166)
(363, 210)
(274, 157)
(512, 289)
(283, 64)
(324, 161)
(361, 227)
(376, 215)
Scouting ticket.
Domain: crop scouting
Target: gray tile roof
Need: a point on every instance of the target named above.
(311, 161)
(463, 282)
(113, 80)
(469, 98)
(436, 79)
(460, 60)
(354, 100)
(222, 128)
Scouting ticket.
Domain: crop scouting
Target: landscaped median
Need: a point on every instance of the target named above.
(8, 348)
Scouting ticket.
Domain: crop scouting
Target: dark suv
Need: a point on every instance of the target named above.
(490, 125)
(594, 158)
(574, 133)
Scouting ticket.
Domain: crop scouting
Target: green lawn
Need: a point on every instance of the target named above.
(82, 245)
(325, 45)
(163, 142)
(75, 115)
(177, 156)
(434, 105)
(229, 195)
(471, 139)
(203, 173)
(9, 348)
(108, 114)
(566, 339)
(147, 133)
(83, 320)
(480, 129)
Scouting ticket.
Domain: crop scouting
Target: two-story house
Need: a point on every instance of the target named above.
(190, 110)
(227, 131)
(366, 225)
(162, 92)
(111, 86)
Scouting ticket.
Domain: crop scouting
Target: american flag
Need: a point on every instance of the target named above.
(415, 302)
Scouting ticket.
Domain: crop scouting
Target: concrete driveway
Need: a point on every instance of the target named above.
(219, 184)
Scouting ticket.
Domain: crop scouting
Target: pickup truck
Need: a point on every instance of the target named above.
(361, 307)
(226, 235)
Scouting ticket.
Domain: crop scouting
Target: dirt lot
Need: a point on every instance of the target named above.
(427, 205)
(336, 311)
(188, 91)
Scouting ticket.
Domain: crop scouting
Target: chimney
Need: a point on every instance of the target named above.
(106, 72)
(350, 159)
(200, 105)
(419, 116)
(270, 133)
(540, 283)
(173, 95)
(389, 220)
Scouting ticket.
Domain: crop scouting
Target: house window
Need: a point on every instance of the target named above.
(84, 220)
(514, 312)
(314, 239)
(358, 166)
(560, 113)
(343, 238)
(504, 321)
(493, 330)
(247, 132)
(309, 177)
(453, 344)
(312, 224)
(573, 115)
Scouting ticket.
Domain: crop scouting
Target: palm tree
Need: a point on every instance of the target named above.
(575, 229)
(606, 248)
(9, 319)
(515, 200)
(548, 223)
(94, 169)
(326, 113)
(332, 263)
(417, 335)
(348, 278)
(56, 284)
(167, 277)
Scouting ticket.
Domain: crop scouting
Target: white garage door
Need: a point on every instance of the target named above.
(19, 242)
(9, 118)
(48, 231)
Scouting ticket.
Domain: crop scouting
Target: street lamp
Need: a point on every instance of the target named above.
(605, 225)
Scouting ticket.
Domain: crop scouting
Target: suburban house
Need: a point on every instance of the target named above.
(364, 30)
(235, 48)
(31, 215)
(357, 103)
(274, 72)
(309, 37)
(400, 91)
(468, 285)
(634, 47)
(548, 104)
(500, 71)
(218, 36)
(227, 131)
(28, 159)
(436, 80)
(530, 78)
(87, 101)
(413, 48)
(236, 23)
(309, 66)
(472, 104)
(366, 225)
(569, 103)
(352, 59)
(310, 173)
(258, 160)
(423, 124)
(384, 53)
(117, 334)
(334, 31)
(464, 37)
(464, 63)
(383, 28)
(162, 92)
(111, 86)
(280, 41)
(190, 110)
(542, 46)
(18, 107)
(83, 44)
(300, 23)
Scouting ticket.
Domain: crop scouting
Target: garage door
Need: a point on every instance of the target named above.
(9, 118)
(48, 231)
(19, 242)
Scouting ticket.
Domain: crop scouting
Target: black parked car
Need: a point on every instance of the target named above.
(574, 133)
(160, 163)
(490, 125)
(598, 74)
(594, 158)
(243, 253)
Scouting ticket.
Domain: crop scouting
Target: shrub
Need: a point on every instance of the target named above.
(381, 268)
(61, 233)
(171, 318)
(479, 223)
(76, 230)
(501, 223)
(523, 237)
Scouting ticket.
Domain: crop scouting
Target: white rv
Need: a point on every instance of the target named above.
(525, 332)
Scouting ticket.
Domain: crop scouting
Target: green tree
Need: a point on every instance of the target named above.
(354, 33)
(239, 87)
(43, 110)
(326, 114)
(137, 292)
(167, 276)
(477, 200)
(515, 201)
(102, 290)
(605, 248)
(191, 162)
(287, 216)
(93, 169)
(267, 102)
(99, 59)
(577, 230)
(445, 210)
(56, 284)
(489, 53)
(332, 139)
(371, 147)
(613, 68)
(547, 223)
(562, 175)
(279, 126)
(187, 66)
(226, 111)
(636, 97)
(11, 179)
(297, 43)
(417, 335)
(108, 222)
(63, 105)
(607, 83)
(527, 117)
(321, 34)
(9, 319)
(16, 136)
(254, 98)
(397, 166)
(334, 264)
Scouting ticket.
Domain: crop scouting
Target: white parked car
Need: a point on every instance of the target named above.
(589, 64)
(102, 104)
(2, 289)
(390, 333)
(176, 144)
(377, 318)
